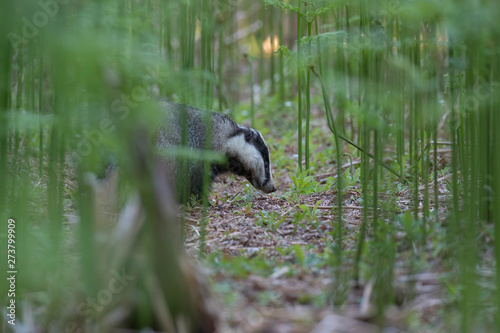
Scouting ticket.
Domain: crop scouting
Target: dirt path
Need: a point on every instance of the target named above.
(269, 260)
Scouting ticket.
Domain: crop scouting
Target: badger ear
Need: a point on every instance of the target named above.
(249, 134)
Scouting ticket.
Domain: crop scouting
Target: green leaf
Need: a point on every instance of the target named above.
(192, 154)
(325, 37)
(284, 50)
(282, 5)
(299, 253)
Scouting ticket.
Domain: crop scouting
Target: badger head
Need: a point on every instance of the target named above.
(248, 156)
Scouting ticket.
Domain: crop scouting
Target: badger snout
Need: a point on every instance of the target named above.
(268, 187)
(270, 190)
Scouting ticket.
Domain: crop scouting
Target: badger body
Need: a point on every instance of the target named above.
(245, 149)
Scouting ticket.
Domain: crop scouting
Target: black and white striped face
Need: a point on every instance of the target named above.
(248, 156)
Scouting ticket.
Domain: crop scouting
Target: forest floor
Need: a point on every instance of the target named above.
(270, 256)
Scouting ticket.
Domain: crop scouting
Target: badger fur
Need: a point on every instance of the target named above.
(245, 149)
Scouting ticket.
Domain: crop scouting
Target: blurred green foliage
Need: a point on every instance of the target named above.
(396, 80)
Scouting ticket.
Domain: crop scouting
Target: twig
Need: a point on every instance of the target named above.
(331, 207)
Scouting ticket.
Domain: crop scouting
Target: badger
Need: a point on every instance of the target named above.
(244, 148)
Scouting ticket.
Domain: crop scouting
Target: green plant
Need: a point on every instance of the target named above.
(303, 183)
(272, 220)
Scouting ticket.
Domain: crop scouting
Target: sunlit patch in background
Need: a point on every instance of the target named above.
(269, 46)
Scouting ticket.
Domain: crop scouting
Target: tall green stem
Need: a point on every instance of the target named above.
(308, 98)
